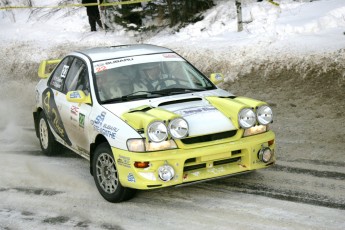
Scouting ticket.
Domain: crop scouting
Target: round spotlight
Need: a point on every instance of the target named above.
(157, 131)
(166, 172)
(265, 154)
(264, 115)
(246, 118)
(178, 128)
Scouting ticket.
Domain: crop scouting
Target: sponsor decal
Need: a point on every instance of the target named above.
(74, 110)
(99, 119)
(75, 95)
(109, 127)
(124, 161)
(64, 71)
(118, 61)
(195, 110)
(105, 129)
(171, 55)
(81, 120)
(131, 178)
(56, 82)
(218, 77)
(100, 64)
(53, 115)
(99, 67)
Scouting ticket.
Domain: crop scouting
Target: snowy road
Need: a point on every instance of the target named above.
(58, 193)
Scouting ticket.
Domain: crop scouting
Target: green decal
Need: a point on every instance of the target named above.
(81, 120)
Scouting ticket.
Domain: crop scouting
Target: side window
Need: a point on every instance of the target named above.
(77, 77)
(58, 78)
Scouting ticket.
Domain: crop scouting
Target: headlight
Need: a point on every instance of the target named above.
(136, 145)
(164, 145)
(157, 131)
(264, 115)
(246, 118)
(255, 130)
(178, 128)
(140, 145)
(166, 172)
(265, 155)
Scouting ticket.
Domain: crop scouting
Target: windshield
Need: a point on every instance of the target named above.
(134, 78)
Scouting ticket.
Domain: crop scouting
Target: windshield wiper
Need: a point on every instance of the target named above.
(148, 94)
(151, 94)
(132, 96)
(171, 91)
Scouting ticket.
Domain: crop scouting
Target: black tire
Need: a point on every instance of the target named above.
(106, 176)
(48, 143)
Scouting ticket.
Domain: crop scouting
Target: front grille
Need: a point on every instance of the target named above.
(226, 161)
(235, 152)
(190, 160)
(210, 137)
(194, 167)
(203, 165)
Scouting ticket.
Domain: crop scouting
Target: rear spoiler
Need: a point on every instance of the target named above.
(44, 66)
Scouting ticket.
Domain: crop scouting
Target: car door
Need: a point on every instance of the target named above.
(50, 101)
(75, 115)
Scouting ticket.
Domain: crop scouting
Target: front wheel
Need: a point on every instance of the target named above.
(106, 176)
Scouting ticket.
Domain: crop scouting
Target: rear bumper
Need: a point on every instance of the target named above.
(192, 165)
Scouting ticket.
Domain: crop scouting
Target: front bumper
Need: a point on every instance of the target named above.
(196, 164)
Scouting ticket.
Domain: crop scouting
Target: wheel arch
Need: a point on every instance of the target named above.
(36, 115)
(98, 140)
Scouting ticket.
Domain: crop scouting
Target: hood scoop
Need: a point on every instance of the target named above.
(179, 101)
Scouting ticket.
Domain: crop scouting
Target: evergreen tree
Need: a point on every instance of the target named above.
(160, 13)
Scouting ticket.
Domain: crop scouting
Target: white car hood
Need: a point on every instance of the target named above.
(202, 117)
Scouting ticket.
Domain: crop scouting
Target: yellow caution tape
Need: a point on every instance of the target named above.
(274, 3)
(73, 5)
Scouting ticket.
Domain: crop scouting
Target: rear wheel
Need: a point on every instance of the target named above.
(106, 176)
(48, 143)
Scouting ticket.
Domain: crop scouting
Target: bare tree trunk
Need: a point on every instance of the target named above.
(29, 2)
(170, 8)
(101, 15)
(239, 15)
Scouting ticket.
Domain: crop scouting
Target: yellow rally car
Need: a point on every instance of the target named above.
(145, 118)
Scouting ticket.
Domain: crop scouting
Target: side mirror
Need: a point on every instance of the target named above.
(216, 78)
(78, 97)
(42, 69)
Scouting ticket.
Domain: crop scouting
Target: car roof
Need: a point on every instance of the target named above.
(111, 52)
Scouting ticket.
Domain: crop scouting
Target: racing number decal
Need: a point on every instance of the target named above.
(53, 116)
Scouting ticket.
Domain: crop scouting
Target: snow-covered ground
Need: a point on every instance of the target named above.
(293, 31)
(292, 56)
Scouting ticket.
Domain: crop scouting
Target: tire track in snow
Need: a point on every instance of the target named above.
(286, 182)
(316, 173)
(288, 195)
